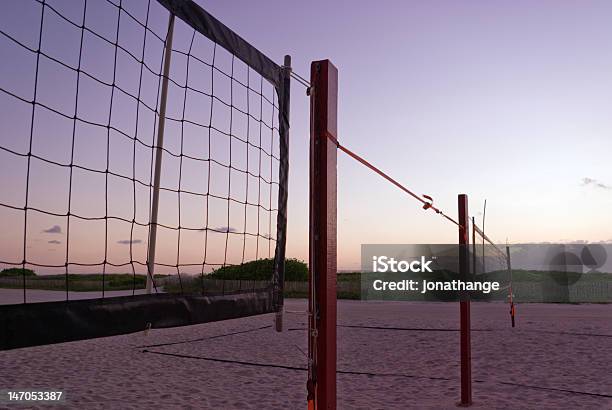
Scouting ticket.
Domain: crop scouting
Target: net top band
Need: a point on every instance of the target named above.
(213, 29)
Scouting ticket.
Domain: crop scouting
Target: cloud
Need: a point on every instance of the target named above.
(128, 241)
(54, 242)
(586, 181)
(53, 229)
(225, 229)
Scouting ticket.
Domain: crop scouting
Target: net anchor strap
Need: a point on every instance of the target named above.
(426, 205)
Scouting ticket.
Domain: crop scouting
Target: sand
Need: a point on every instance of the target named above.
(557, 357)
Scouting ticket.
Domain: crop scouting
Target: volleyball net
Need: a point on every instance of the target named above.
(491, 262)
(143, 153)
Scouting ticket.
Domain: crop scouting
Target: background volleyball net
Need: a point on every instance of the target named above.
(143, 149)
(490, 262)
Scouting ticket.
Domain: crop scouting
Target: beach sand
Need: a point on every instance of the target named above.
(558, 356)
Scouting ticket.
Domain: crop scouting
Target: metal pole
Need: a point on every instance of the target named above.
(473, 247)
(464, 304)
(512, 311)
(158, 156)
(283, 181)
(323, 258)
(484, 214)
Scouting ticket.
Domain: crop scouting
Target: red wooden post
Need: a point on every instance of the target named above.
(464, 304)
(322, 277)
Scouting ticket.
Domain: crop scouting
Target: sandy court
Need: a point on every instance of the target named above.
(557, 357)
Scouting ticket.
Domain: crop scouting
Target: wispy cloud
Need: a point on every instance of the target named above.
(128, 241)
(54, 229)
(586, 181)
(225, 229)
(54, 242)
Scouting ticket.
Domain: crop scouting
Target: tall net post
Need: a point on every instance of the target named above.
(464, 304)
(323, 259)
(484, 216)
(511, 292)
(474, 247)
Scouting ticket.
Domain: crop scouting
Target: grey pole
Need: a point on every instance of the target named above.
(512, 310)
(473, 248)
(279, 264)
(158, 156)
(484, 214)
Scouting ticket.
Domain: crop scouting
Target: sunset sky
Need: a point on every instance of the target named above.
(505, 100)
(508, 101)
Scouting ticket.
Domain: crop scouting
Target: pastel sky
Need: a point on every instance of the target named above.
(505, 100)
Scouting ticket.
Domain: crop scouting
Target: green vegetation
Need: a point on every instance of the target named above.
(539, 276)
(348, 287)
(295, 271)
(254, 274)
(349, 276)
(12, 272)
(76, 282)
(257, 274)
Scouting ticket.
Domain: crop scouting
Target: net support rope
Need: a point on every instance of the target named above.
(426, 204)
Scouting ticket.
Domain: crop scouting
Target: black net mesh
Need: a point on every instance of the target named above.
(80, 91)
(489, 262)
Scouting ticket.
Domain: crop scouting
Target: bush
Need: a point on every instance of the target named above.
(295, 270)
(17, 272)
(127, 281)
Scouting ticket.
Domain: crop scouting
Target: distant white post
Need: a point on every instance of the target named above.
(158, 156)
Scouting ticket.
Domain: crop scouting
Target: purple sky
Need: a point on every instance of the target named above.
(508, 101)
